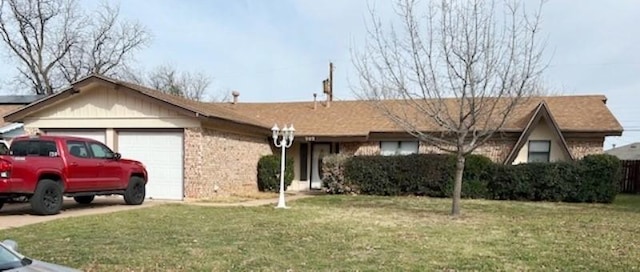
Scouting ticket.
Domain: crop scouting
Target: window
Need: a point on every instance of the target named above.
(4, 150)
(34, 148)
(100, 151)
(77, 149)
(398, 148)
(539, 151)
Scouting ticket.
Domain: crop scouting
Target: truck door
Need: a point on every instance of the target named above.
(82, 170)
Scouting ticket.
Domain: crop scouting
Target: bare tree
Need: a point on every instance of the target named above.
(106, 48)
(56, 43)
(221, 96)
(39, 34)
(454, 74)
(189, 85)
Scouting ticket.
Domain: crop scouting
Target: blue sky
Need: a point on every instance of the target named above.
(279, 50)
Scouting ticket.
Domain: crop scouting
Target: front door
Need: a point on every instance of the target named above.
(319, 151)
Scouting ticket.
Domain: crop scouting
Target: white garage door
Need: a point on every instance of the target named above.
(95, 135)
(161, 153)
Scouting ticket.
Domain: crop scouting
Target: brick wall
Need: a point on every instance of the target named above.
(31, 130)
(360, 148)
(194, 182)
(497, 150)
(220, 163)
(580, 147)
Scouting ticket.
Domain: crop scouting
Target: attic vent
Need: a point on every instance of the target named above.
(235, 96)
(633, 146)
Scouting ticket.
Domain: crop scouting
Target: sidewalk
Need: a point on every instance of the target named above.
(250, 203)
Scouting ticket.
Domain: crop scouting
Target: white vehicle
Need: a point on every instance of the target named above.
(11, 260)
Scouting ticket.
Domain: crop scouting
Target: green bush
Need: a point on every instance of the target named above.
(477, 172)
(532, 181)
(333, 177)
(269, 173)
(599, 179)
(417, 174)
(595, 178)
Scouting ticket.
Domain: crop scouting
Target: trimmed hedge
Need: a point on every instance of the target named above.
(416, 174)
(269, 173)
(595, 178)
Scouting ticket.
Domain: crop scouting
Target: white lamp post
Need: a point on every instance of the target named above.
(287, 140)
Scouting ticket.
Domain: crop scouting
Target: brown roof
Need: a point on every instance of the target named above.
(6, 109)
(585, 113)
(203, 108)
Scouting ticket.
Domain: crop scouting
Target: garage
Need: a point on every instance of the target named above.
(162, 154)
(98, 135)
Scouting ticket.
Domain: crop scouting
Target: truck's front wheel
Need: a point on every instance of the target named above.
(136, 191)
(47, 199)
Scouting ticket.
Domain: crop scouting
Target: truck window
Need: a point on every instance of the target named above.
(4, 150)
(78, 149)
(100, 151)
(36, 148)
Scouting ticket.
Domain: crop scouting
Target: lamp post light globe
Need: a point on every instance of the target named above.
(286, 142)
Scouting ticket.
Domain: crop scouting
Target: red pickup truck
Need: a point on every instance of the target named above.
(44, 169)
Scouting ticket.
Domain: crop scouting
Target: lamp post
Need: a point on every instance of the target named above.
(284, 143)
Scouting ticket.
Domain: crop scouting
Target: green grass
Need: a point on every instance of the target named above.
(342, 233)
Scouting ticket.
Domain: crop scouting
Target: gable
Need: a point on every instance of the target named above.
(102, 102)
(536, 125)
(102, 106)
(542, 131)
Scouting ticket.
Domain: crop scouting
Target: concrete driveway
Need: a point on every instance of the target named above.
(20, 214)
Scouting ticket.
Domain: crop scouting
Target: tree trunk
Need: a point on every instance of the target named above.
(457, 185)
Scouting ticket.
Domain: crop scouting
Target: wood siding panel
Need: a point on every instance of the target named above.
(103, 107)
(105, 102)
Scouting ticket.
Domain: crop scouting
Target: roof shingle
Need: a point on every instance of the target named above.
(585, 113)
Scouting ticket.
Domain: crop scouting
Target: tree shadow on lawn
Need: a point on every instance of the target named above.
(24, 208)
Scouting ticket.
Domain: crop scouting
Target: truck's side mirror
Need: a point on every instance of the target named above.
(114, 156)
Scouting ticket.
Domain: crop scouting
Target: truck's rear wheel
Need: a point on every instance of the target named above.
(1, 203)
(136, 191)
(84, 199)
(47, 199)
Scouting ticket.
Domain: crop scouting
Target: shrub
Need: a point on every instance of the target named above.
(416, 174)
(532, 181)
(477, 172)
(269, 173)
(595, 178)
(333, 177)
(599, 181)
(371, 174)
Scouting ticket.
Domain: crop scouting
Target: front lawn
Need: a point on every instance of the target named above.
(341, 233)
